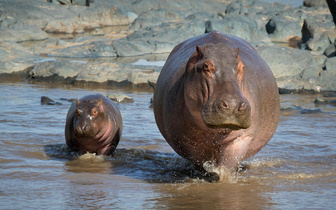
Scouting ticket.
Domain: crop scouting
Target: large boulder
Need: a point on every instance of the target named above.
(317, 36)
(285, 61)
(15, 58)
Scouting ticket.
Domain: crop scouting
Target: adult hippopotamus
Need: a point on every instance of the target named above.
(93, 124)
(216, 101)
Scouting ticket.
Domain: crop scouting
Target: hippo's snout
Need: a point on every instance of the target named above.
(233, 106)
(232, 112)
(82, 129)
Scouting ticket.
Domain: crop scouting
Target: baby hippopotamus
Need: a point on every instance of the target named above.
(93, 124)
(216, 101)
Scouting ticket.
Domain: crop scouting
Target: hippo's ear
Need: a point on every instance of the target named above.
(100, 104)
(194, 58)
(240, 66)
(77, 102)
(199, 52)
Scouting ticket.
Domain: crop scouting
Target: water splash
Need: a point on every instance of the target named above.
(223, 173)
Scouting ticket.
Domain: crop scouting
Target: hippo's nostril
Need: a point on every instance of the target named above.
(242, 107)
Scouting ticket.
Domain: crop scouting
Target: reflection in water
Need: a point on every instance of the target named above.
(214, 196)
(37, 170)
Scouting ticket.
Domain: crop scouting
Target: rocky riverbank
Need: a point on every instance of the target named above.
(98, 41)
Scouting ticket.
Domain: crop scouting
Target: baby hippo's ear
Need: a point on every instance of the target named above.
(194, 58)
(100, 104)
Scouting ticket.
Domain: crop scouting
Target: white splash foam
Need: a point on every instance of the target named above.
(225, 175)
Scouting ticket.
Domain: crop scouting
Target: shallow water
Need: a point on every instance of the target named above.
(297, 169)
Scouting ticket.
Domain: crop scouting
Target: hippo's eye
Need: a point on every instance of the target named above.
(94, 112)
(205, 67)
(208, 67)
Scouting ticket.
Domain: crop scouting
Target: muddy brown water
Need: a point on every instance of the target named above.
(296, 169)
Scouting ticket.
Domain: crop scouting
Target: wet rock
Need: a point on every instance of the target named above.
(48, 101)
(68, 100)
(98, 72)
(289, 106)
(311, 111)
(120, 97)
(321, 101)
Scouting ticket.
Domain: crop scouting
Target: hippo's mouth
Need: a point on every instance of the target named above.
(227, 126)
(226, 122)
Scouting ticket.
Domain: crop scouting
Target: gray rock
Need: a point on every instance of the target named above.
(331, 64)
(87, 49)
(282, 28)
(289, 62)
(299, 69)
(319, 100)
(48, 101)
(237, 7)
(311, 72)
(70, 26)
(154, 18)
(321, 41)
(28, 33)
(317, 36)
(15, 58)
(330, 51)
(241, 26)
(311, 111)
(98, 72)
(64, 69)
(120, 97)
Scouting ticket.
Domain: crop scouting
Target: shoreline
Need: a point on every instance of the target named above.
(98, 44)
